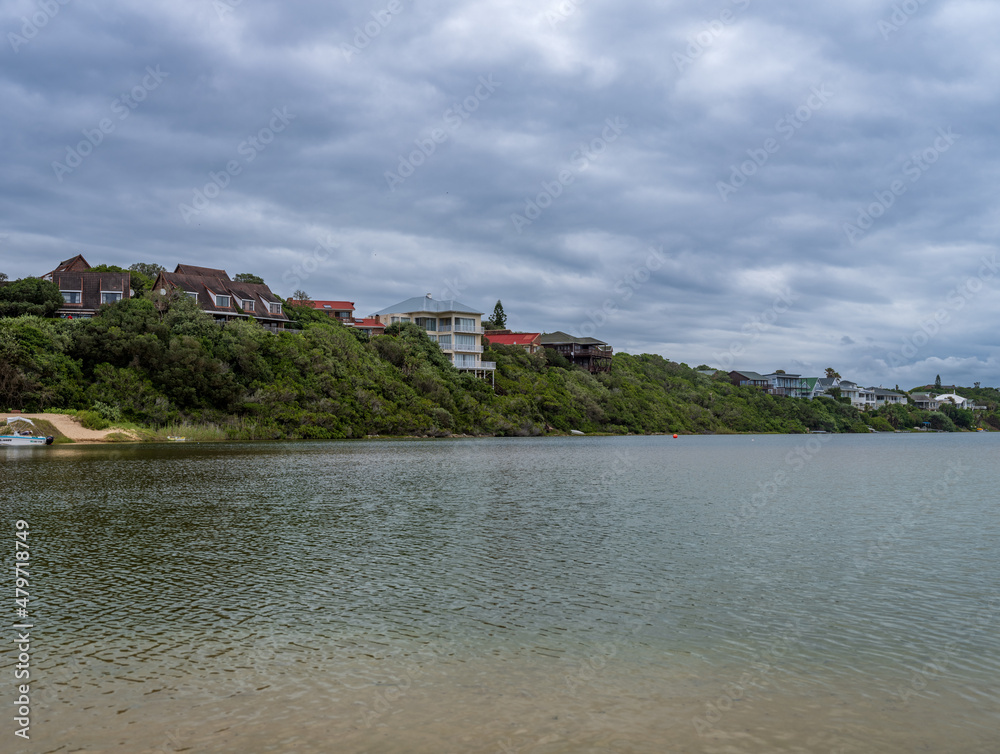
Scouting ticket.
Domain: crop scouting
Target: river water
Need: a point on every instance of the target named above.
(830, 593)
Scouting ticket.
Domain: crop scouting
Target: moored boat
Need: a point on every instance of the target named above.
(18, 434)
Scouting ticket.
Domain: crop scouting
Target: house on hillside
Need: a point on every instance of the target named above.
(456, 327)
(590, 353)
(529, 341)
(749, 379)
(953, 398)
(789, 385)
(887, 397)
(343, 312)
(224, 299)
(926, 401)
(84, 291)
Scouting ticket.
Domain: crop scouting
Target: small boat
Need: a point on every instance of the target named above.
(22, 436)
(175, 438)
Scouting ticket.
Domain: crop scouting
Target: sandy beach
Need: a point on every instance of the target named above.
(71, 427)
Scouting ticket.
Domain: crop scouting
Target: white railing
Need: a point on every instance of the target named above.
(463, 348)
(468, 328)
(475, 364)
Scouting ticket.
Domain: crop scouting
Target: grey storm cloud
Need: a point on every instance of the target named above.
(657, 174)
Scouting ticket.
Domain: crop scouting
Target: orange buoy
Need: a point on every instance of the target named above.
(675, 437)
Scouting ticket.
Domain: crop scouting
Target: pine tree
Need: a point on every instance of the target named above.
(937, 382)
(499, 319)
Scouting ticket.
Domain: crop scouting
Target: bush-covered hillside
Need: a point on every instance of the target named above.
(157, 364)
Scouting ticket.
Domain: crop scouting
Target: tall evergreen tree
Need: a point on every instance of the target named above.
(499, 319)
(937, 382)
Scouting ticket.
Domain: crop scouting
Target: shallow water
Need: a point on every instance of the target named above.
(514, 595)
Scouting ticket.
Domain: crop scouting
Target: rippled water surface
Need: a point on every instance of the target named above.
(717, 594)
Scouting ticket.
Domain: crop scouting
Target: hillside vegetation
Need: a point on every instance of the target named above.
(163, 365)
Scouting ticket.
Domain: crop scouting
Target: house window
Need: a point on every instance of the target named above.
(465, 324)
(248, 305)
(444, 341)
(428, 323)
(464, 342)
(274, 308)
(110, 297)
(71, 297)
(222, 302)
(191, 294)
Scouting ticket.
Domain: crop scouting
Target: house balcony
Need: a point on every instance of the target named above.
(476, 366)
(459, 348)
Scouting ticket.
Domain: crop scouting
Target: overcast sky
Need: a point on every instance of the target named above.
(747, 184)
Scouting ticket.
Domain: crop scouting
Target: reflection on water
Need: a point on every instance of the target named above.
(528, 595)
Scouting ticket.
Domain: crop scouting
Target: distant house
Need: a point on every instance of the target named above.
(84, 291)
(953, 398)
(789, 385)
(456, 328)
(368, 325)
(887, 397)
(750, 379)
(529, 341)
(224, 299)
(925, 401)
(343, 312)
(590, 353)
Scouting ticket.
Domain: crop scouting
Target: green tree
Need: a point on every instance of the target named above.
(832, 373)
(248, 277)
(499, 319)
(3, 277)
(31, 296)
(937, 382)
(149, 269)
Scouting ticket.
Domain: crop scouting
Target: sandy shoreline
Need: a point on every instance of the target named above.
(71, 427)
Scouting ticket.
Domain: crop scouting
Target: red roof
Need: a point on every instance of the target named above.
(335, 305)
(367, 322)
(513, 339)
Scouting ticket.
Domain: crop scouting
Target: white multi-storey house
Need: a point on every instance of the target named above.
(454, 326)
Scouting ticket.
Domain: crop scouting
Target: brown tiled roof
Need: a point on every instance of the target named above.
(190, 269)
(208, 287)
(74, 264)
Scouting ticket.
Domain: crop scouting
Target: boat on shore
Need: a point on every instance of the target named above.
(18, 434)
